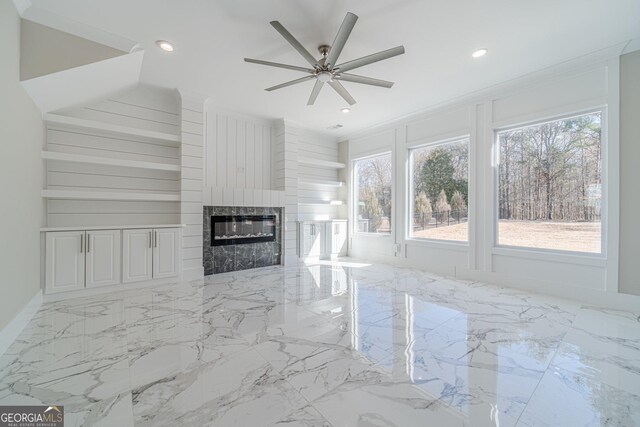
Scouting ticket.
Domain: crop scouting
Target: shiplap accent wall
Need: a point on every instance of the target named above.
(321, 147)
(285, 178)
(143, 108)
(192, 152)
(237, 152)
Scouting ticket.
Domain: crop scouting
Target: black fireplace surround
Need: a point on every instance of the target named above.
(239, 238)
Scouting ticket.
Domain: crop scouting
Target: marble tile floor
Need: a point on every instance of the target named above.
(332, 344)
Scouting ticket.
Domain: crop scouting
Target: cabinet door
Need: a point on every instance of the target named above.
(316, 240)
(339, 244)
(306, 239)
(137, 255)
(64, 261)
(103, 258)
(166, 252)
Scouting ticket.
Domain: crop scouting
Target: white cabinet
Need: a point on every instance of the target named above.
(79, 259)
(336, 238)
(322, 239)
(311, 239)
(102, 258)
(137, 255)
(64, 261)
(150, 254)
(92, 258)
(166, 252)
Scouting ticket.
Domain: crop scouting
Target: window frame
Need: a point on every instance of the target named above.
(354, 194)
(411, 199)
(547, 253)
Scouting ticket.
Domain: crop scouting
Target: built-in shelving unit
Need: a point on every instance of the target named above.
(323, 202)
(108, 161)
(74, 122)
(322, 183)
(321, 163)
(108, 195)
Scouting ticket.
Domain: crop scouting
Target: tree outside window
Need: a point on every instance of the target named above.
(373, 177)
(550, 185)
(440, 191)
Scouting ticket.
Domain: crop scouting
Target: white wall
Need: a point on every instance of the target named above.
(535, 97)
(629, 173)
(145, 107)
(191, 184)
(21, 211)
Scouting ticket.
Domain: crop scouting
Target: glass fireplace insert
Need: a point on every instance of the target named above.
(242, 229)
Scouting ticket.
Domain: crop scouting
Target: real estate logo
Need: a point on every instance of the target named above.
(32, 416)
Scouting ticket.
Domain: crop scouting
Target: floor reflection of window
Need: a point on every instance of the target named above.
(374, 320)
(408, 352)
(354, 317)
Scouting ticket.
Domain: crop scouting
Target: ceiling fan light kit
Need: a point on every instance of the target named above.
(326, 69)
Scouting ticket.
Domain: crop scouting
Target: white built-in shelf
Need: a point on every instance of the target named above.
(110, 161)
(320, 183)
(73, 122)
(323, 202)
(112, 227)
(321, 163)
(107, 195)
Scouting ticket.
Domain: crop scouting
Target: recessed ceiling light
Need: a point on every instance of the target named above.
(480, 52)
(345, 110)
(165, 45)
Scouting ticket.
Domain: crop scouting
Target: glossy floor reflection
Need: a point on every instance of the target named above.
(344, 344)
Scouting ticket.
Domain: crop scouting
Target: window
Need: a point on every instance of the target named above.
(373, 194)
(439, 191)
(550, 185)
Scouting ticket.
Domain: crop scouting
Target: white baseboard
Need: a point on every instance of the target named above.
(87, 292)
(586, 296)
(193, 273)
(13, 329)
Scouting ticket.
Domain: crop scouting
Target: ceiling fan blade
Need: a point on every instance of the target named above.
(341, 38)
(277, 64)
(292, 82)
(315, 92)
(342, 91)
(370, 59)
(364, 80)
(294, 42)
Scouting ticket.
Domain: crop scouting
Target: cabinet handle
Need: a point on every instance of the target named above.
(155, 243)
(81, 244)
(88, 242)
(150, 240)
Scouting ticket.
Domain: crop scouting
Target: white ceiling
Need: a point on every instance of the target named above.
(213, 36)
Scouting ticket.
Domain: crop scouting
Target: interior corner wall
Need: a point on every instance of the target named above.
(21, 211)
(629, 281)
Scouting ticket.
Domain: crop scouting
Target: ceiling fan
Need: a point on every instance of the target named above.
(326, 69)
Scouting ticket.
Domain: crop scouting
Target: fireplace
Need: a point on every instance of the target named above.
(240, 237)
(242, 229)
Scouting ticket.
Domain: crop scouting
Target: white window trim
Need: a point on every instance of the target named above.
(427, 241)
(354, 192)
(546, 254)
